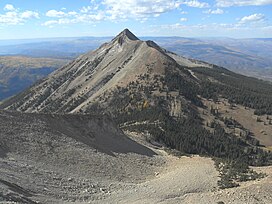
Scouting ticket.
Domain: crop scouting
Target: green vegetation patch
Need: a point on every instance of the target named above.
(234, 171)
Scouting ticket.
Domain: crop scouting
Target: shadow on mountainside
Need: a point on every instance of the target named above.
(3, 151)
(98, 132)
(23, 132)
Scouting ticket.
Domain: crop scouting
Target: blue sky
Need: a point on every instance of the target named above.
(20, 19)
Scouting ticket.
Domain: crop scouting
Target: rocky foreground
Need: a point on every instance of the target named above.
(43, 162)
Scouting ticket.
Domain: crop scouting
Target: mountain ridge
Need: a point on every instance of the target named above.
(113, 64)
(145, 88)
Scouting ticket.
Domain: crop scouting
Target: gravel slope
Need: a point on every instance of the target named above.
(87, 159)
(171, 185)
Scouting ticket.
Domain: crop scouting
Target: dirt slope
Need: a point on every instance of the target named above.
(181, 177)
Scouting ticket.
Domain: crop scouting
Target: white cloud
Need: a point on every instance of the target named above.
(138, 9)
(244, 27)
(228, 3)
(113, 10)
(29, 14)
(54, 13)
(183, 12)
(14, 16)
(72, 13)
(183, 19)
(92, 7)
(86, 9)
(216, 11)
(9, 7)
(50, 23)
(120, 10)
(59, 14)
(61, 21)
(254, 18)
(9, 18)
(72, 17)
(213, 29)
(196, 4)
(91, 17)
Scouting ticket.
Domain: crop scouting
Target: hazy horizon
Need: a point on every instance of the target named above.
(57, 38)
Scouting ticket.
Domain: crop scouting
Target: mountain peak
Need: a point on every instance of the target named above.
(125, 34)
(80, 84)
(128, 34)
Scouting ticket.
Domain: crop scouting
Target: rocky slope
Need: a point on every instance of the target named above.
(66, 159)
(58, 155)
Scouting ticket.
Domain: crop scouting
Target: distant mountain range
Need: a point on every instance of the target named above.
(19, 72)
(251, 57)
(52, 47)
